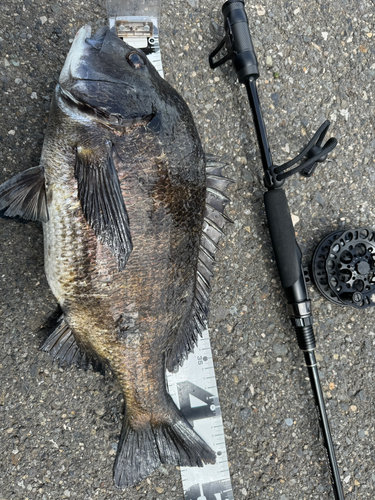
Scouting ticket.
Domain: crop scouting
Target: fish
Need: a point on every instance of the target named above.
(132, 211)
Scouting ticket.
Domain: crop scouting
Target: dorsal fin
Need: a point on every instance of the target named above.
(212, 231)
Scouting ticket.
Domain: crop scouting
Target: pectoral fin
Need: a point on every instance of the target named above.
(25, 195)
(102, 203)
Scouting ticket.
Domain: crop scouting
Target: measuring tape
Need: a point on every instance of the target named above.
(193, 388)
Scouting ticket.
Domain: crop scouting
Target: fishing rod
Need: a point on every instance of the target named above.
(239, 48)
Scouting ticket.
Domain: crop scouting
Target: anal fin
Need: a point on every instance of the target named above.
(62, 346)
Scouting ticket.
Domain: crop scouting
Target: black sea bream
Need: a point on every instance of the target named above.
(132, 211)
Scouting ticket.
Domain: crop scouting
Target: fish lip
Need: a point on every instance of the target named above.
(77, 51)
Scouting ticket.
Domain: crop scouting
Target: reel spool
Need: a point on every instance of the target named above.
(343, 267)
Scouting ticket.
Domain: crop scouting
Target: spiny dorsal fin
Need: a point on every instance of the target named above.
(25, 195)
(216, 199)
(102, 202)
(62, 346)
(214, 221)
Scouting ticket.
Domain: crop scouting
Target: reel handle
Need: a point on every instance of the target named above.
(238, 41)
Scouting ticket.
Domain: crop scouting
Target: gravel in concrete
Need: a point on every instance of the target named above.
(59, 428)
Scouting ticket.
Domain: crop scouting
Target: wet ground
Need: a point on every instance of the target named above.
(59, 428)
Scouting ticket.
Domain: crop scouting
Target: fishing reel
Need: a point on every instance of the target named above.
(343, 267)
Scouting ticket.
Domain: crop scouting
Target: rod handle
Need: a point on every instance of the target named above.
(289, 262)
(238, 41)
(287, 253)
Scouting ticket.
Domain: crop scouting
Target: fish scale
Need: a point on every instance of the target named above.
(64, 239)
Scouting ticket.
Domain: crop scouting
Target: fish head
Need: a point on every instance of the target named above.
(112, 80)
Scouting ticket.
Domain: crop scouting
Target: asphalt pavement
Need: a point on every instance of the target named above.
(59, 427)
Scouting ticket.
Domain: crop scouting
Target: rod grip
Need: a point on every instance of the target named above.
(236, 23)
(287, 252)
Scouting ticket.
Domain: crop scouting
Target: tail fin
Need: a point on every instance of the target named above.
(142, 451)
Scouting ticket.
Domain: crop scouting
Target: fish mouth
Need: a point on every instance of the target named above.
(75, 56)
(99, 114)
(97, 40)
(78, 61)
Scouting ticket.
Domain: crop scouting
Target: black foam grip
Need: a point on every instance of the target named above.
(287, 252)
(241, 33)
(244, 57)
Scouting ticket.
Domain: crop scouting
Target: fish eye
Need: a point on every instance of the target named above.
(135, 60)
